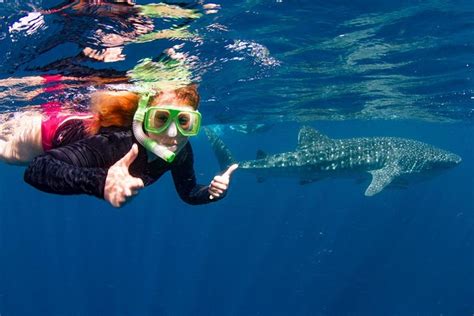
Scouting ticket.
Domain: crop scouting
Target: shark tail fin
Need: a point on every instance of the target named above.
(223, 154)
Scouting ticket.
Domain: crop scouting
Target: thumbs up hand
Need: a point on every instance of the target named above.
(120, 186)
(220, 183)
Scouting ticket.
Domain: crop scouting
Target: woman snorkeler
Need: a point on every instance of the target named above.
(128, 141)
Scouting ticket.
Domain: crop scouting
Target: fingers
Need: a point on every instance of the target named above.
(230, 170)
(115, 203)
(120, 187)
(124, 195)
(119, 202)
(137, 184)
(132, 188)
(130, 157)
(134, 185)
(213, 195)
(127, 192)
(219, 185)
(215, 189)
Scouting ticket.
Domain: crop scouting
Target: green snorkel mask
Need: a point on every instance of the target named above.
(159, 118)
(151, 145)
(150, 76)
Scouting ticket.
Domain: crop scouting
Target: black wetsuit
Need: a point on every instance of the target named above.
(80, 166)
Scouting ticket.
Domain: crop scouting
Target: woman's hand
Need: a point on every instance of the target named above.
(120, 186)
(220, 183)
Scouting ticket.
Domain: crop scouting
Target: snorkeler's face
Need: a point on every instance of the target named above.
(171, 138)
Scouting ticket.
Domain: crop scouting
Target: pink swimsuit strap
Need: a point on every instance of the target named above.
(51, 78)
(54, 119)
(53, 82)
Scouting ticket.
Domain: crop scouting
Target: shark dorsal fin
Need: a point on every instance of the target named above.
(381, 178)
(308, 136)
(261, 154)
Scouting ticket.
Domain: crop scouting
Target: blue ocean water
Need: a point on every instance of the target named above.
(346, 68)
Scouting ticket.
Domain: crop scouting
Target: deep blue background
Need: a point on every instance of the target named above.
(275, 248)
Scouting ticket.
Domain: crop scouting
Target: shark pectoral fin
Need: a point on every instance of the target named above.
(380, 179)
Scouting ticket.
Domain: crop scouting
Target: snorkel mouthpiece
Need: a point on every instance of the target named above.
(137, 127)
(159, 150)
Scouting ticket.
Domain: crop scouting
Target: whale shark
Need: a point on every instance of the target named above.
(388, 160)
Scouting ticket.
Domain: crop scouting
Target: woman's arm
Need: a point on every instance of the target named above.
(185, 180)
(49, 174)
(80, 167)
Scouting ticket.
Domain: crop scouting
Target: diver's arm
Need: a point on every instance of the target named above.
(80, 167)
(49, 174)
(185, 180)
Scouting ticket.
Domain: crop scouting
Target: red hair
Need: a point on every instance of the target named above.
(116, 108)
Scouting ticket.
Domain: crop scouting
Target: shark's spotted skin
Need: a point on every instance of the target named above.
(318, 156)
